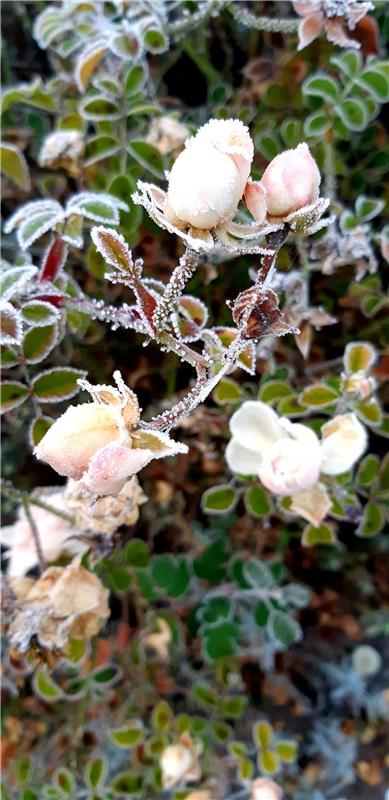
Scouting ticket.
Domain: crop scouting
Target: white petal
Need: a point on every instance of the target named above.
(21, 561)
(241, 460)
(256, 426)
(159, 443)
(344, 441)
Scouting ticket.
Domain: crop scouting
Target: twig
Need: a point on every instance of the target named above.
(35, 533)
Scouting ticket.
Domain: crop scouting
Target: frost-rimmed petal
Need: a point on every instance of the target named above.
(240, 459)
(344, 439)
(235, 245)
(110, 468)
(312, 504)
(256, 426)
(145, 197)
(309, 29)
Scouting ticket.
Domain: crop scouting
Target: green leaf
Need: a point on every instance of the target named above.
(353, 114)
(373, 520)
(127, 784)
(12, 394)
(287, 750)
(100, 109)
(258, 574)
(129, 735)
(211, 564)
(14, 165)
(39, 426)
(137, 553)
(95, 772)
(283, 628)
(321, 86)
(9, 357)
(318, 395)
(368, 207)
(268, 762)
(65, 780)
(227, 391)
(274, 391)
(369, 411)
(99, 148)
(317, 124)
(375, 82)
(359, 356)
(24, 768)
(45, 686)
(268, 146)
(214, 609)
(55, 385)
(291, 132)
(322, 534)
(107, 675)
(349, 63)
(34, 227)
(262, 733)
(245, 769)
(171, 574)
(261, 614)
(221, 640)
(221, 732)
(38, 343)
(206, 696)
(13, 279)
(219, 499)
(162, 717)
(233, 707)
(148, 156)
(39, 313)
(155, 41)
(135, 79)
(368, 470)
(257, 501)
(121, 579)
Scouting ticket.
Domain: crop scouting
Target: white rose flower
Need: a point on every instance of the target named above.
(285, 455)
(344, 439)
(208, 178)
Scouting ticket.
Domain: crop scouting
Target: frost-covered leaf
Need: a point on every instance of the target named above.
(72, 233)
(49, 25)
(317, 124)
(368, 207)
(155, 40)
(114, 249)
(14, 279)
(14, 165)
(135, 79)
(33, 94)
(97, 207)
(258, 574)
(38, 343)
(321, 534)
(31, 210)
(257, 502)
(39, 426)
(372, 522)
(148, 156)
(368, 470)
(318, 395)
(359, 356)
(87, 62)
(283, 628)
(227, 391)
(95, 772)
(369, 411)
(39, 313)
(55, 385)
(376, 82)
(13, 394)
(45, 686)
(34, 227)
(11, 325)
(129, 735)
(219, 499)
(321, 85)
(100, 108)
(100, 147)
(353, 114)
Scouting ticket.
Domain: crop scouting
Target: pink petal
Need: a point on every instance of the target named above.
(309, 29)
(255, 200)
(111, 466)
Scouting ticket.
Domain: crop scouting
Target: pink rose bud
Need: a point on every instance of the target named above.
(255, 200)
(208, 178)
(291, 181)
(110, 468)
(77, 435)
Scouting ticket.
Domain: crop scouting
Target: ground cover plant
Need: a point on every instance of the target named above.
(194, 474)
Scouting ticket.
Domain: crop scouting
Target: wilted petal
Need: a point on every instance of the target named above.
(344, 440)
(256, 426)
(159, 443)
(240, 460)
(309, 29)
(336, 33)
(110, 468)
(312, 504)
(306, 7)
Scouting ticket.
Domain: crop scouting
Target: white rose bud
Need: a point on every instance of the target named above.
(77, 435)
(265, 789)
(291, 181)
(344, 440)
(208, 179)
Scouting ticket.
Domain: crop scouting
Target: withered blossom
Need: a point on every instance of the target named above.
(336, 18)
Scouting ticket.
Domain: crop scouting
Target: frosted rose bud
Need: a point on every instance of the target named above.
(208, 178)
(255, 200)
(344, 440)
(291, 181)
(265, 789)
(290, 465)
(77, 435)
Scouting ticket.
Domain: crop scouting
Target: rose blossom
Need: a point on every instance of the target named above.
(208, 178)
(285, 455)
(291, 181)
(101, 442)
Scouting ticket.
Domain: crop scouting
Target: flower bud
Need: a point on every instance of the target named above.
(255, 200)
(265, 789)
(77, 435)
(291, 181)
(111, 466)
(344, 440)
(208, 178)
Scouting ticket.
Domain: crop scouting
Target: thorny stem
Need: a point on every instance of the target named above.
(35, 533)
(181, 275)
(267, 24)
